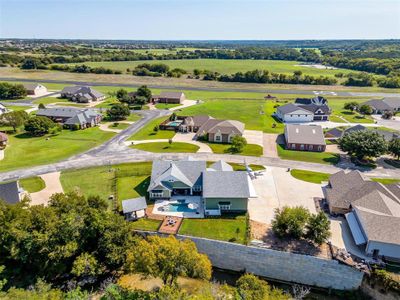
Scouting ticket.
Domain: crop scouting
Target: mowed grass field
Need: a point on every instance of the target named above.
(26, 151)
(224, 66)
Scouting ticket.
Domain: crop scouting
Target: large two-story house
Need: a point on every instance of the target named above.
(220, 188)
(304, 110)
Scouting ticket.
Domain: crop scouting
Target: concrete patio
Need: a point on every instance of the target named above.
(180, 206)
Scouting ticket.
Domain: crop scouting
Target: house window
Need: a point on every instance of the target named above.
(319, 148)
(224, 205)
(298, 116)
(293, 146)
(302, 147)
(197, 188)
(310, 147)
(218, 138)
(156, 194)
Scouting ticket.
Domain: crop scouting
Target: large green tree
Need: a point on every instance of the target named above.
(168, 258)
(318, 228)
(237, 144)
(39, 126)
(14, 119)
(394, 148)
(363, 144)
(145, 92)
(290, 221)
(12, 91)
(118, 111)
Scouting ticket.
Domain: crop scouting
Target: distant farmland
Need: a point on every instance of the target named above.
(224, 66)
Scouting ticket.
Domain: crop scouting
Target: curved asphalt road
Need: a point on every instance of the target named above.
(271, 91)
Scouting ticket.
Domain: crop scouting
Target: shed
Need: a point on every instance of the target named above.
(135, 208)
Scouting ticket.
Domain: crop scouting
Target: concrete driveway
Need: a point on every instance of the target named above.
(254, 137)
(189, 138)
(53, 185)
(277, 188)
(269, 144)
(393, 123)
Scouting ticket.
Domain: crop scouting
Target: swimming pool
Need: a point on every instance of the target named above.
(179, 207)
(174, 123)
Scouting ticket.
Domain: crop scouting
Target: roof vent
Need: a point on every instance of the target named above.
(313, 131)
(297, 130)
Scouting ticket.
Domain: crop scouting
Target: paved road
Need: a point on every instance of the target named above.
(177, 87)
(28, 101)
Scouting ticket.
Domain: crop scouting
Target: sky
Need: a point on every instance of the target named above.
(200, 19)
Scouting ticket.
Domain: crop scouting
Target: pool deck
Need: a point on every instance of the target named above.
(196, 200)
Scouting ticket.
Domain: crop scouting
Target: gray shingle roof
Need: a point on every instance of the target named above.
(319, 100)
(335, 132)
(221, 166)
(226, 184)
(314, 108)
(304, 134)
(393, 102)
(3, 137)
(75, 115)
(171, 95)
(378, 104)
(9, 192)
(31, 86)
(228, 127)
(83, 91)
(135, 204)
(290, 107)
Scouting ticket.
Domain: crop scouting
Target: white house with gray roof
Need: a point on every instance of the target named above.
(387, 104)
(220, 188)
(35, 89)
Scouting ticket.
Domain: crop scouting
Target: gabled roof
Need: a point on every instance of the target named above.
(197, 121)
(226, 184)
(171, 95)
(355, 128)
(135, 204)
(221, 166)
(314, 108)
(227, 127)
(9, 192)
(188, 171)
(304, 134)
(319, 100)
(378, 104)
(290, 108)
(335, 132)
(393, 102)
(31, 86)
(82, 91)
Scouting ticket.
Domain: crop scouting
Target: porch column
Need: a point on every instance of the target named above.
(191, 191)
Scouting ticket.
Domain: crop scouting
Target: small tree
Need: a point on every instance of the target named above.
(155, 129)
(394, 148)
(118, 111)
(250, 287)
(238, 143)
(145, 92)
(140, 100)
(363, 143)
(168, 258)
(121, 94)
(170, 141)
(14, 119)
(290, 221)
(41, 106)
(318, 228)
(365, 109)
(39, 126)
(387, 115)
(85, 265)
(352, 106)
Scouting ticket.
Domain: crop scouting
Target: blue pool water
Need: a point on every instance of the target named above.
(174, 123)
(179, 207)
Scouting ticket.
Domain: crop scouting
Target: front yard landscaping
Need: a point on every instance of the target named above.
(309, 176)
(161, 147)
(148, 133)
(313, 157)
(166, 105)
(48, 100)
(118, 125)
(249, 149)
(32, 184)
(27, 151)
(232, 228)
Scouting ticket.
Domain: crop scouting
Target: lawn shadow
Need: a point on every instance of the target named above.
(141, 188)
(347, 113)
(334, 159)
(23, 136)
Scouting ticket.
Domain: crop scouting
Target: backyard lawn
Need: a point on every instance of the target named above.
(314, 157)
(310, 176)
(160, 147)
(17, 107)
(148, 133)
(249, 149)
(27, 151)
(224, 229)
(32, 184)
(129, 187)
(146, 224)
(48, 100)
(166, 105)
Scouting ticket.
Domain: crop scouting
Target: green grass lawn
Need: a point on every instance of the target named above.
(249, 149)
(166, 105)
(148, 133)
(386, 180)
(17, 107)
(224, 229)
(309, 176)
(132, 186)
(226, 66)
(90, 181)
(26, 151)
(48, 100)
(146, 224)
(133, 118)
(118, 125)
(314, 157)
(175, 147)
(32, 184)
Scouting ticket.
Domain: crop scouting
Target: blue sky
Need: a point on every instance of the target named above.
(200, 20)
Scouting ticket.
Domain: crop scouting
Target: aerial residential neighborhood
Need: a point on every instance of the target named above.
(155, 150)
